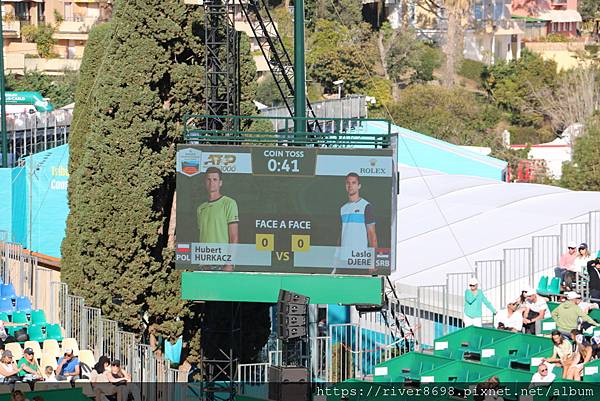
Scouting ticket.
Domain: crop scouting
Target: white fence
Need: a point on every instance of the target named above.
(32, 133)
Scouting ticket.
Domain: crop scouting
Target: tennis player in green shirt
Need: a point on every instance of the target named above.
(218, 217)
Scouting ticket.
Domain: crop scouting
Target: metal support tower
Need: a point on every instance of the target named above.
(289, 77)
(221, 350)
(222, 63)
(391, 317)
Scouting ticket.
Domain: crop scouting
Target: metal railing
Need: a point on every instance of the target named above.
(335, 132)
(354, 106)
(253, 372)
(32, 133)
(86, 324)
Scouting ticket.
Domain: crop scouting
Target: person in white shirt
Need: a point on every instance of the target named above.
(543, 375)
(49, 375)
(536, 309)
(582, 259)
(510, 318)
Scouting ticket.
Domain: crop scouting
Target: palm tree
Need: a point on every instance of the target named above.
(457, 12)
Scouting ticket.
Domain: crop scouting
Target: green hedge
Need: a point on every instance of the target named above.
(471, 69)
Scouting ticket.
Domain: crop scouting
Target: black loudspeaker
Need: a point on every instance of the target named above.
(288, 383)
(296, 320)
(289, 333)
(365, 308)
(292, 318)
(294, 309)
(292, 297)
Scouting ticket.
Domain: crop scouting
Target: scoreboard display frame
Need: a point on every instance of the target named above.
(278, 209)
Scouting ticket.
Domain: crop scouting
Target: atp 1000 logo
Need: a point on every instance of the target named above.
(225, 162)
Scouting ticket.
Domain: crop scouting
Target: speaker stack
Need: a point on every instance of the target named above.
(290, 381)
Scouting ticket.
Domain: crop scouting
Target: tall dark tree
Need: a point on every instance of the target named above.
(122, 183)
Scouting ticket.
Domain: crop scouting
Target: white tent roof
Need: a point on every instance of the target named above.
(447, 222)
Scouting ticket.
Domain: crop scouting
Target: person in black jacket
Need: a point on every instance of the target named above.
(593, 268)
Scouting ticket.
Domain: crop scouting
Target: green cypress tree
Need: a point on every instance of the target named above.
(93, 56)
(144, 72)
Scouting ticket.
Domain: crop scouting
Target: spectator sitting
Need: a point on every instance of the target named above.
(510, 318)
(566, 314)
(49, 375)
(97, 375)
(474, 300)
(582, 259)
(562, 352)
(582, 354)
(28, 365)
(8, 368)
(68, 367)
(536, 309)
(593, 269)
(543, 375)
(565, 263)
(4, 337)
(18, 395)
(520, 301)
(118, 379)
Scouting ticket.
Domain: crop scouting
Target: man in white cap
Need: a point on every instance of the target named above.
(536, 309)
(474, 300)
(566, 314)
(566, 261)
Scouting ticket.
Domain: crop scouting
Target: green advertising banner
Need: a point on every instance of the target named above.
(286, 209)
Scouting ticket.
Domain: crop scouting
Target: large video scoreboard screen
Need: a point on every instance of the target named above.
(286, 209)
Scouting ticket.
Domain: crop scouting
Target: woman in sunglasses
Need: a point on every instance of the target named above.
(474, 300)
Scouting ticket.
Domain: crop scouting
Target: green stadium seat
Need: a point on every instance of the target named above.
(553, 305)
(409, 366)
(12, 329)
(591, 371)
(20, 317)
(38, 317)
(595, 314)
(554, 286)
(542, 285)
(53, 332)
(468, 340)
(36, 333)
(460, 372)
(4, 317)
(547, 326)
(516, 352)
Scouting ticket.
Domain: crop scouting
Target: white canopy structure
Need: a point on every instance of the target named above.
(448, 222)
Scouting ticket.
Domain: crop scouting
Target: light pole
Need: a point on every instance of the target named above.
(3, 100)
(339, 83)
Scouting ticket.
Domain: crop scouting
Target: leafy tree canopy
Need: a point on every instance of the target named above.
(589, 9)
(410, 60)
(583, 173)
(60, 90)
(512, 86)
(336, 52)
(453, 115)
